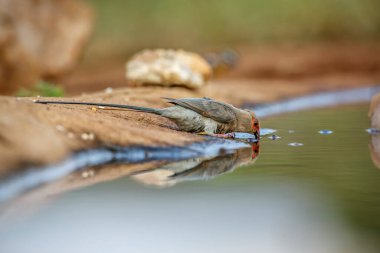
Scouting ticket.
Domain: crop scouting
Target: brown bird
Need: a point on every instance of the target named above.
(195, 115)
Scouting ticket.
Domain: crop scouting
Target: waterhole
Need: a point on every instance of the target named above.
(321, 196)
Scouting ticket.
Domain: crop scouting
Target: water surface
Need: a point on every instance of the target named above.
(322, 196)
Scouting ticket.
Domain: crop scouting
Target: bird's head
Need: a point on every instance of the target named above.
(255, 125)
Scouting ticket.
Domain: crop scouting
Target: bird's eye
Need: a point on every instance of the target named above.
(256, 124)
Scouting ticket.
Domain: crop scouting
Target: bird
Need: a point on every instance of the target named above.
(195, 115)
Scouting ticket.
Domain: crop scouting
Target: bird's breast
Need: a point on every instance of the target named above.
(210, 125)
(190, 121)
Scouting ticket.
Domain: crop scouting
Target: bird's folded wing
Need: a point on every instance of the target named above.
(209, 108)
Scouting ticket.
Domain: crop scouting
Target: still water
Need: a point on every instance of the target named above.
(319, 194)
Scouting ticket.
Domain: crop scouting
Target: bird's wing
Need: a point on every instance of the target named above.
(209, 168)
(207, 107)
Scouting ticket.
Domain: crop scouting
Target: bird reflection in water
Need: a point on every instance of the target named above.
(203, 168)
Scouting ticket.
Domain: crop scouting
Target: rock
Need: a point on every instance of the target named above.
(40, 39)
(374, 111)
(374, 114)
(25, 140)
(168, 67)
(374, 148)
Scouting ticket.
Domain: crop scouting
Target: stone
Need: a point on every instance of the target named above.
(374, 148)
(40, 39)
(168, 68)
(374, 112)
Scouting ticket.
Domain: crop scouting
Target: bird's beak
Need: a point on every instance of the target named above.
(257, 135)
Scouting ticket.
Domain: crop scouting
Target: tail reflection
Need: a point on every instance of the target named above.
(204, 168)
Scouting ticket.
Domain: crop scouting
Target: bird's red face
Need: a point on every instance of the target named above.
(255, 150)
(255, 126)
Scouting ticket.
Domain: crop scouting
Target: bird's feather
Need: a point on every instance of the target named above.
(218, 111)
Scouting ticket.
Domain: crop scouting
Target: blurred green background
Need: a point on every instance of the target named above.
(123, 26)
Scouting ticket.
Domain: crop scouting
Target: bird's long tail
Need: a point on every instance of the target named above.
(130, 107)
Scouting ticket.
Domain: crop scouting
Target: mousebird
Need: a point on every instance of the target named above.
(197, 115)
